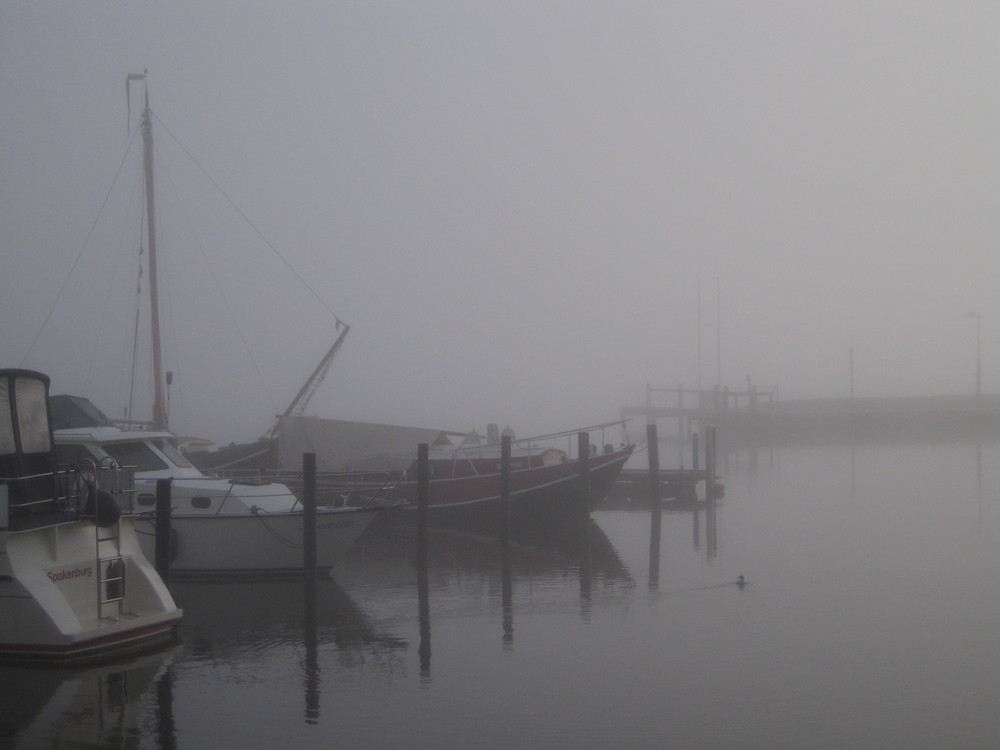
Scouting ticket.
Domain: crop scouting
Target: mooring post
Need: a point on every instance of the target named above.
(583, 450)
(653, 451)
(423, 579)
(506, 579)
(309, 516)
(680, 427)
(310, 626)
(162, 539)
(583, 453)
(505, 448)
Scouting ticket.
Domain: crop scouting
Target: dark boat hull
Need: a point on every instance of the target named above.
(539, 496)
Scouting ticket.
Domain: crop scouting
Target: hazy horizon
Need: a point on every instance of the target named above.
(525, 211)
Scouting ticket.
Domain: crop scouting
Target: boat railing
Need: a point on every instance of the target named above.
(333, 488)
(37, 500)
(536, 444)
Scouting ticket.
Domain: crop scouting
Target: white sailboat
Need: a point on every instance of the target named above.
(219, 526)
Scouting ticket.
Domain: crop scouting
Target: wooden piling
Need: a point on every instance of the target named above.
(583, 454)
(423, 578)
(506, 578)
(505, 450)
(163, 530)
(583, 451)
(309, 516)
(653, 452)
(310, 625)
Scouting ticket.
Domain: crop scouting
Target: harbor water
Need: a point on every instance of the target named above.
(870, 619)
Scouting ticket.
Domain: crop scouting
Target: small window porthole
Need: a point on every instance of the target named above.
(201, 502)
(146, 499)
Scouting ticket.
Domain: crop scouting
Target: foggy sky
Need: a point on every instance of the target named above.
(517, 206)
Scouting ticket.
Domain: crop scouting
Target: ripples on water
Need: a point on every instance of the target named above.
(872, 620)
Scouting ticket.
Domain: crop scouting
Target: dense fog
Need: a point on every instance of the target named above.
(525, 211)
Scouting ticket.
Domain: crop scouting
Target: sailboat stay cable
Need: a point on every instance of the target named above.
(79, 254)
(218, 284)
(245, 217)
(125, 245)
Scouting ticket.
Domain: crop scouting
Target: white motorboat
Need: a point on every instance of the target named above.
(218, 526)
(74, 584)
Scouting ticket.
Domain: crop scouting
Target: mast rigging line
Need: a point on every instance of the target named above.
(79, 254)
(179, 199)
(245, 218)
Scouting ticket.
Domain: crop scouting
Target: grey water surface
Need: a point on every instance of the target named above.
(871, 620)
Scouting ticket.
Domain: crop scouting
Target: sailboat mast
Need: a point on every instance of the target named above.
(159, 403)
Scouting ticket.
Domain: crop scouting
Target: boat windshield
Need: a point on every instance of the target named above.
(172, 453)
(136, 454)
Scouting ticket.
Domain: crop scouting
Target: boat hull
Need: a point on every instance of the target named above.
(254, 544)
(52, 590)
(539, 496)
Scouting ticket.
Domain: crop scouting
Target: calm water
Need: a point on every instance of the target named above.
(872, 620)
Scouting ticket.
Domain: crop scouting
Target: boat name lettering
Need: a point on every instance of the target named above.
(62, 575)
(333, 525)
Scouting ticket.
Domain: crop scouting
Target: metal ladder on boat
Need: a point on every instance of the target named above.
(110, 572)
(110, 562)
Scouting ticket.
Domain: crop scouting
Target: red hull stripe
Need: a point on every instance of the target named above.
(116, 644)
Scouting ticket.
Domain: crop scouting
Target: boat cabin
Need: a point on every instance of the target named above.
(32, 490)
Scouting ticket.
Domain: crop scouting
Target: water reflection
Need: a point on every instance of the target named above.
(711, 529)
(463, 569)
(244, 619)
(310, 639)
(310, 636)
(859, 617)
(110, 706)
(507, 594)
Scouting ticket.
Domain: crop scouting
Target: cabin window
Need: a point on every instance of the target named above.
(137, 454)
(146, 499)
(200, 501)
(32, 415)
(172, 453)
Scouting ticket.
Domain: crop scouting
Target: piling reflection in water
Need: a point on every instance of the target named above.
(310, 638)
(165, 709)
(97, 707)
(507, 594)
(243, 620)
(451, 560)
